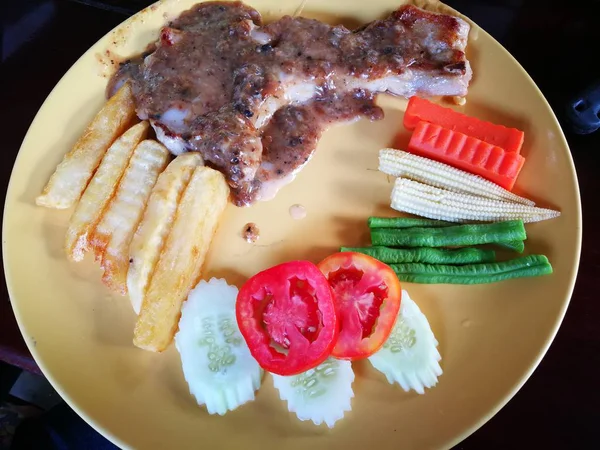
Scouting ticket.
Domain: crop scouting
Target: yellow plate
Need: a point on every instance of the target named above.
(491, 336)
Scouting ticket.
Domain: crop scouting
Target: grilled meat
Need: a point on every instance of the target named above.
(221, 83)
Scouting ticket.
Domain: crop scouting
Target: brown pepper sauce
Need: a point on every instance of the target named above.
(209, 64)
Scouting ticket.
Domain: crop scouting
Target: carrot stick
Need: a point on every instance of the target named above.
(466, 153)
(418, 109)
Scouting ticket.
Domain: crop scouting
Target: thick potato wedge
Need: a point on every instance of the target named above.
(154, 228)
(180, 263)
(111, 238)
(100, 190)
(72, 175)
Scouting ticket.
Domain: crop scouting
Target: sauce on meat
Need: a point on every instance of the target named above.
(291, 137)
(254, 100)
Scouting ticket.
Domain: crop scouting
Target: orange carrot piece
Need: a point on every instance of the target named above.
(466, 153)
(418, 109)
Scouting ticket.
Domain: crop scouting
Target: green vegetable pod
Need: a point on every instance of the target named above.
(455, 236)
(426, 255)
(526, 266)
(405, 222)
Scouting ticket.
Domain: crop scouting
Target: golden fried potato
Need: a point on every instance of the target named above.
(111, 238)
(100, 190)
(72, 175)
(180, 263)
(154, 228)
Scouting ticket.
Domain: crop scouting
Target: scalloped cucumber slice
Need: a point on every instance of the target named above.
(322, 394)
(410, 356)
(217, 364)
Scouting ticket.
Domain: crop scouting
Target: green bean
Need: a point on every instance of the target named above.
(517, 246)
(454, 236)
(429, 278)
(472, 269)
(425, 255)
(405, 222)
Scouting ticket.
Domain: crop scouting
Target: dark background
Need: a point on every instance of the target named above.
(557, 43)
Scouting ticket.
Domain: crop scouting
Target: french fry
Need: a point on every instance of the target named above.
(72, 175)
(180, 263)
(111, 238)
(100, 191)
(149, 239)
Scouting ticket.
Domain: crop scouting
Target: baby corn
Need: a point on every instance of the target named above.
(435, 203)
(403, 164)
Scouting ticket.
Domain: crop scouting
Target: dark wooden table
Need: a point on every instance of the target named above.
(559, 407)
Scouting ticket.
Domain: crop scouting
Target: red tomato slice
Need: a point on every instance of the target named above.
(367, 295)
(287, 317)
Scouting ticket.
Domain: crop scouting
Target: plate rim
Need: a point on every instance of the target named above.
(484, 418)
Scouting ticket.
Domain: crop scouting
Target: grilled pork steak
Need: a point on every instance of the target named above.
(255, 99)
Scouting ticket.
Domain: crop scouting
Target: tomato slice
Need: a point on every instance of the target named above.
(367, 295)
(287, 317)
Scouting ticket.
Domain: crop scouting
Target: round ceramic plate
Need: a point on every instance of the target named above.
(491, 336)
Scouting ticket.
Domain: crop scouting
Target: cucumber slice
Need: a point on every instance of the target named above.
(217, 364)
(321, 394)
(410, 356)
